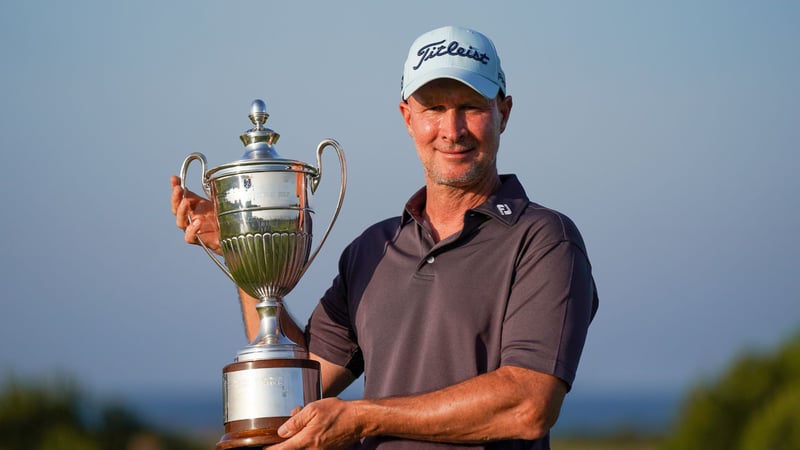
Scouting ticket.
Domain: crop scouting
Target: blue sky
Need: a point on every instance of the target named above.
(668, 131)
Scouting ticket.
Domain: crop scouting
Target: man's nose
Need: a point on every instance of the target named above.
(453, 125)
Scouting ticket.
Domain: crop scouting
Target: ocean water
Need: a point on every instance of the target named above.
(587, 413)
(605, 412)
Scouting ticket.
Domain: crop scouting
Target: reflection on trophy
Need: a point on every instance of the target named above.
(264, 216)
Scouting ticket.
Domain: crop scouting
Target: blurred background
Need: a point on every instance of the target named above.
(667, 131)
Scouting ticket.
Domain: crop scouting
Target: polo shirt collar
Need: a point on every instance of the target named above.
(505, 205)
(508, 203)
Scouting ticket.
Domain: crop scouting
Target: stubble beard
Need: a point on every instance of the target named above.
(476, 172)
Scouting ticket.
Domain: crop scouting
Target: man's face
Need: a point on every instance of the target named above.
(456, 131)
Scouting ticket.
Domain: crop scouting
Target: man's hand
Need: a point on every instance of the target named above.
(329, 423)
(203, 223)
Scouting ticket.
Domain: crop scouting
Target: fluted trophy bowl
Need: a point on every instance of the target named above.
(262, 204)
(265, 225)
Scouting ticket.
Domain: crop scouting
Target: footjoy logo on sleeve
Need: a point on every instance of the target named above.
(435, 49)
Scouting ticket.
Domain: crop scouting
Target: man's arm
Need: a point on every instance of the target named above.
(334, 378)
(508, 403)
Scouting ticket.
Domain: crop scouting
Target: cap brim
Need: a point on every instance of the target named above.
(480, 84)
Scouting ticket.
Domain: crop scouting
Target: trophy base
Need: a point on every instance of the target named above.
(247, 434)
(260, 395)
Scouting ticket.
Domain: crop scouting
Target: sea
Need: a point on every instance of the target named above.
(595, 412)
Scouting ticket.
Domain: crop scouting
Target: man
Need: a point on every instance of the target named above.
(467, 314)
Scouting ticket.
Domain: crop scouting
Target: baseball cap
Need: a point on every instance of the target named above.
(457, 53)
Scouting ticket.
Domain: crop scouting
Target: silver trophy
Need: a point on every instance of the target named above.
(264, 215)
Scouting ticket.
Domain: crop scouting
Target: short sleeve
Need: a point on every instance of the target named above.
(553, 299)
(331, 333)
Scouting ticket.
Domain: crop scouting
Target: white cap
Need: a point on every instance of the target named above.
(457, 53)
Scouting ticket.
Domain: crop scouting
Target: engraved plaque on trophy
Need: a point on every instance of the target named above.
(265, 233)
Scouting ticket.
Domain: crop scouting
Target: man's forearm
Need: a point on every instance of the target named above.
(509, 403)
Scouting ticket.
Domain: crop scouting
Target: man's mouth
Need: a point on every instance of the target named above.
(455, 150)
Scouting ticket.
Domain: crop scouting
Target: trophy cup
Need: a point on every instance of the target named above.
(264, 216)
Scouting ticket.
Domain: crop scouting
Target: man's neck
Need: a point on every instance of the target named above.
(445, 206)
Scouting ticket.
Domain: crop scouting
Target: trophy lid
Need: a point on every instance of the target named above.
(260, 153)
(259, 141)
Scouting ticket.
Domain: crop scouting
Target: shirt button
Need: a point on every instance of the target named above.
(430, 260)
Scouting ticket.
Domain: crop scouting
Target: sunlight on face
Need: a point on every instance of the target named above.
(456, 131)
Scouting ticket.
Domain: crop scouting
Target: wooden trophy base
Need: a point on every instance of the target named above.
(246, 434)
(260, 395)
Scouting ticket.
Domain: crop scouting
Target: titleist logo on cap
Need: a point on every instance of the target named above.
(435, 49)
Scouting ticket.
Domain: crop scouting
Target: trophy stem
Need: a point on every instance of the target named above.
(270, 342)
(269, 332)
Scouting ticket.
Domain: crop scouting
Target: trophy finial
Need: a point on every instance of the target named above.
(258, 114)
(259, 140)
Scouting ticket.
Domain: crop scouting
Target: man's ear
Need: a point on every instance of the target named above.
(405, 110)
(505, 111)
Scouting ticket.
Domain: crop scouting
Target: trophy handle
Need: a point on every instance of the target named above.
(207, 189)
(315, 183)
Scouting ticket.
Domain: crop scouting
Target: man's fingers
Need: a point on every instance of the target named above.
(192, 231)
(289, 428)
(182, 214)
(175, 199)
(177, 192)
(185, 204)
